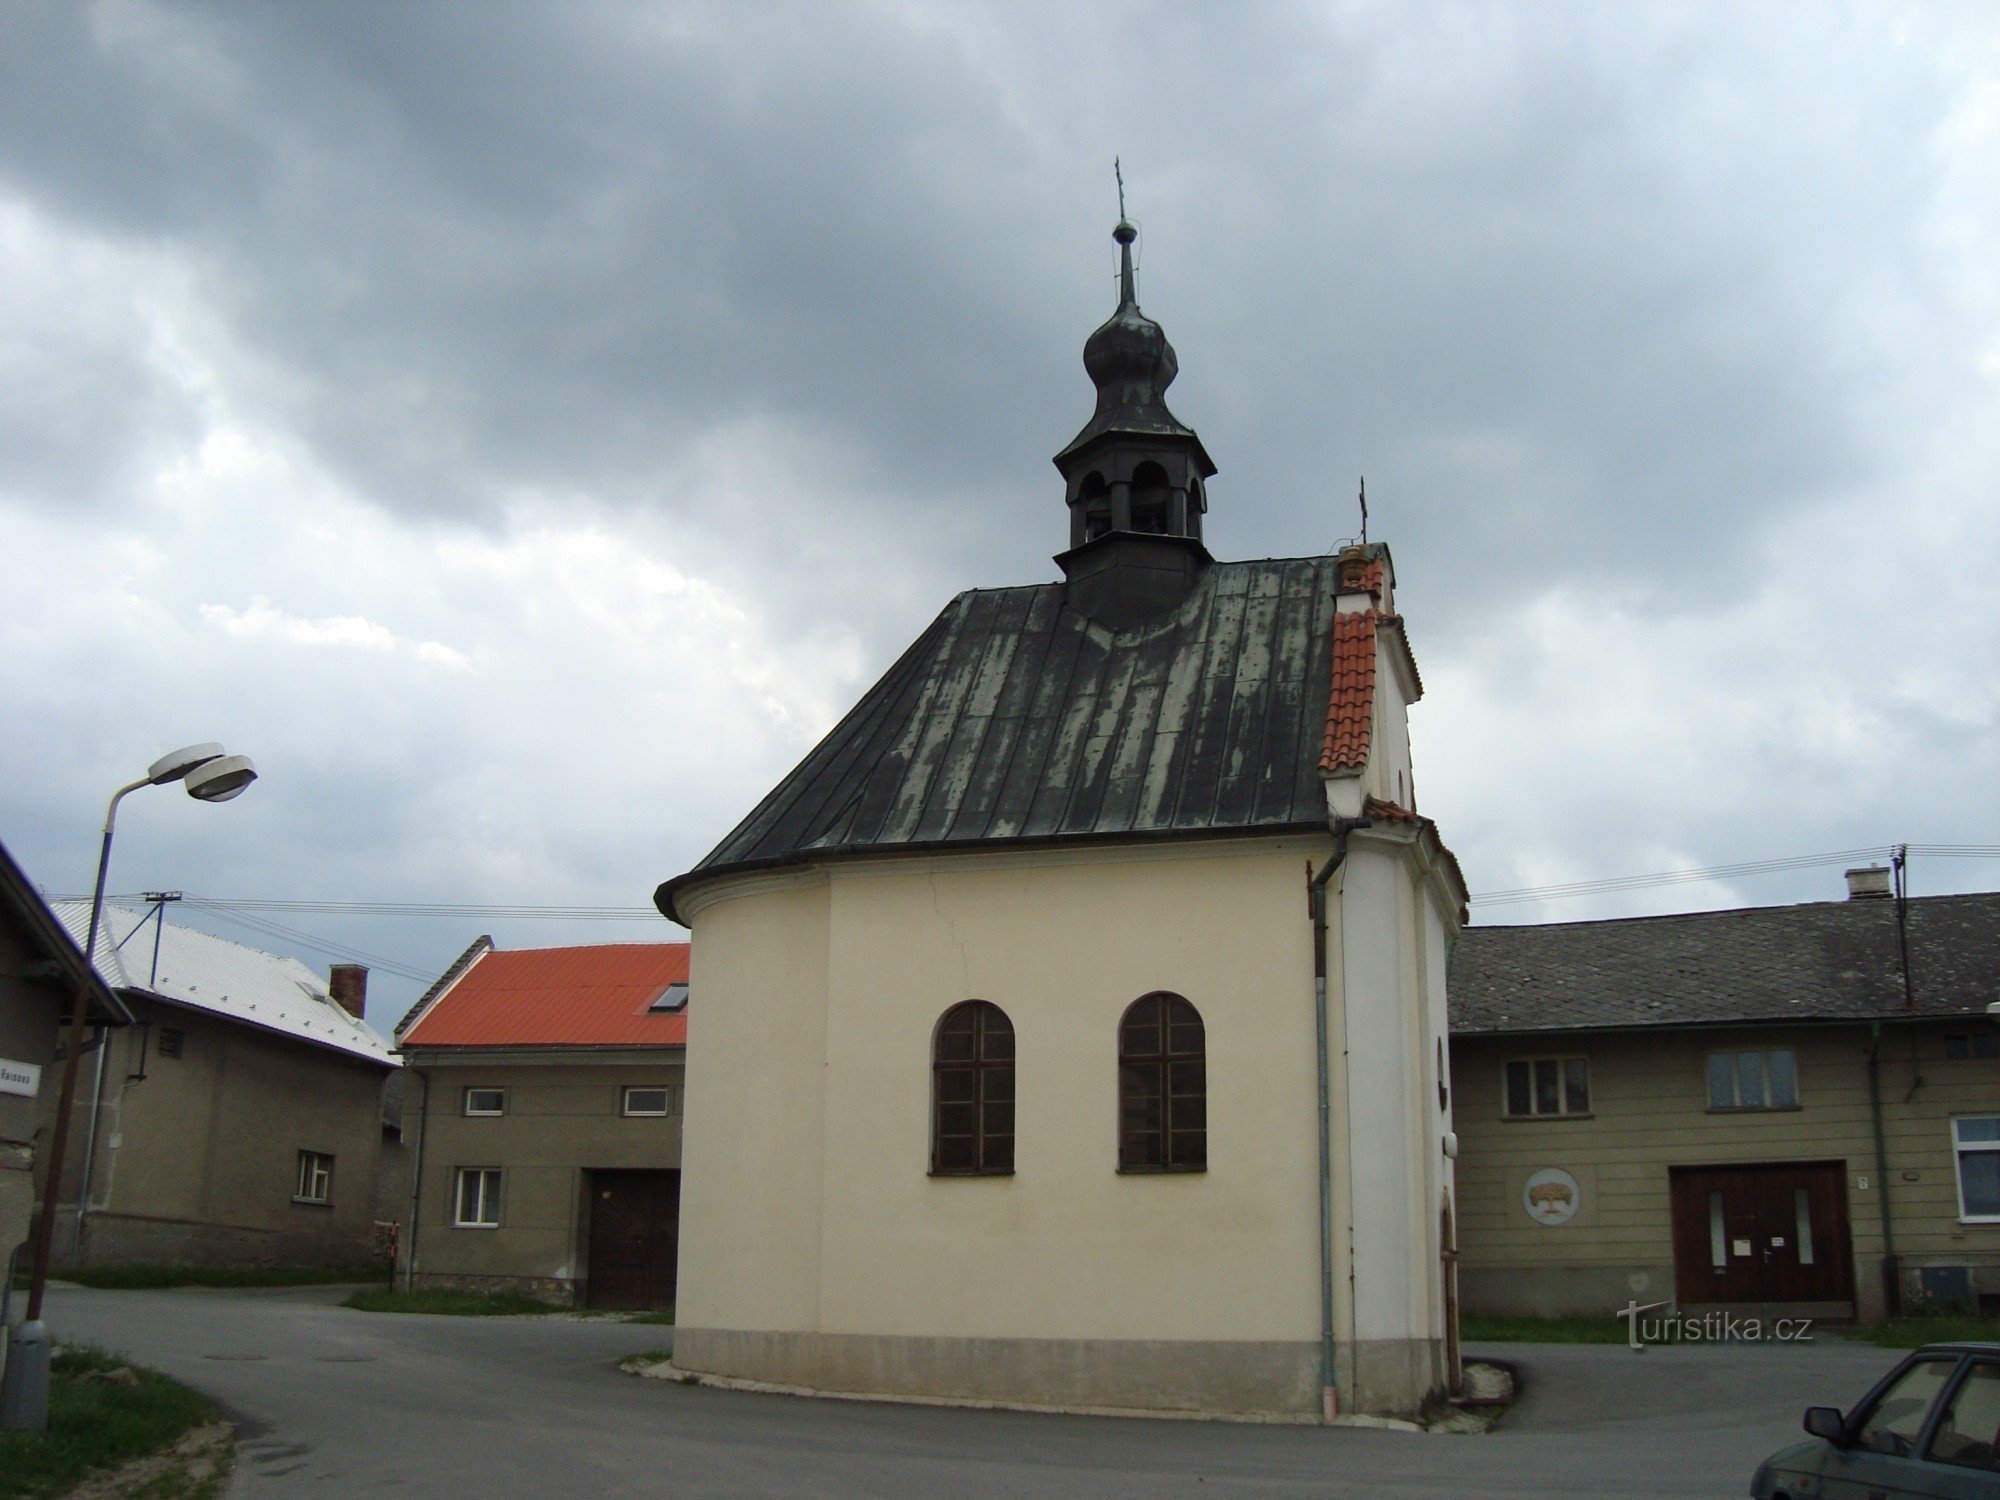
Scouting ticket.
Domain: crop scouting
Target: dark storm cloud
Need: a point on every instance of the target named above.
(1601, 299)
(490, 248)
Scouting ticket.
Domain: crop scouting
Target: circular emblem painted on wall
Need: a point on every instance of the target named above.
(1552, 1197)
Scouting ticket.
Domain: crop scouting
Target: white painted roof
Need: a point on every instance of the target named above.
(222, 978)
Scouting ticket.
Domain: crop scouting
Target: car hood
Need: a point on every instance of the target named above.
(1804, 1456)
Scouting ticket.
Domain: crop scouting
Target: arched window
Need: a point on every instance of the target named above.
(1152, 501)
(972, 1092)
(1162, 1087)
(1096, 497)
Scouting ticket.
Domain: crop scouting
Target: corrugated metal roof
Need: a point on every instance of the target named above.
(1829, 960)
(1013, 717)
(223, 978)
(559, 997)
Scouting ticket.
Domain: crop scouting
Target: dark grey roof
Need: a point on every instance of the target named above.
(1014, 718)
(1831, 960)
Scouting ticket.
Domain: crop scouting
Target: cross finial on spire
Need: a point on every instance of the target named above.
(1124, 234)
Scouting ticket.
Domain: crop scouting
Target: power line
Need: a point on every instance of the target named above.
(1724, 872)
(269, 928)
(521, 912)
(241, 908)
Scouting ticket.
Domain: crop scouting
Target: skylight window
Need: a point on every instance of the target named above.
(674, 997)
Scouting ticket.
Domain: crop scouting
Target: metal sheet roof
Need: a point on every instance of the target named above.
(1015, 718)
(1828, 960)
(598, 996)
(224, 978)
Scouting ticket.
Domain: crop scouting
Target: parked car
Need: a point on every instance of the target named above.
(1930, 1427)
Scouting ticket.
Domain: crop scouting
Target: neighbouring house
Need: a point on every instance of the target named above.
(41, 971)
(240, 1122)
(545, 1102)
(1027, 1073)
(1763, 1108)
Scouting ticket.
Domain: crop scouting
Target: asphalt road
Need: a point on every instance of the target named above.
(331, 1402)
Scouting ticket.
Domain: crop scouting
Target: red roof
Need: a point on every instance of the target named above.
(1350, 700)
(560, 997)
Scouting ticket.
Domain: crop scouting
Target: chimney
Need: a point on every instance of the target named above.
(1868, 884)
(348, 984)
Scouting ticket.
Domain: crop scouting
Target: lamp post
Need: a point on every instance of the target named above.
(209, 776)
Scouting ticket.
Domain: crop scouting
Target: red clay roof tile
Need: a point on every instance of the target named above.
(560, 997)
(1350, 702)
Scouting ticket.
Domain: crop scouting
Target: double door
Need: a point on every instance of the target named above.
(634, 1239)
(1768, 1232)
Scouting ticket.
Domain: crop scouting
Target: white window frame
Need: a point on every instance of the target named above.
(487, 1196)
(315, 1172)
(1735, 1054)
(1959, 1151)
(664, 1090)
(484, 1114)
(1562, 1111)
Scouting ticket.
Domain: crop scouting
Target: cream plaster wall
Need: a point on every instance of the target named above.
(807, 1204)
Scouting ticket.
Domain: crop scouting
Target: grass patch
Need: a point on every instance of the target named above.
(658, 1315)
(95, 1424)
(1909, 1333)
(155, 1278)
(1484, 1330)
(452, 1304)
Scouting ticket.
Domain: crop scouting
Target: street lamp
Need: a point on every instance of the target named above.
(209, 776)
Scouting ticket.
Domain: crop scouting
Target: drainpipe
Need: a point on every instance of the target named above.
(1892, 1279)
(1316, 888)
(417, 1181)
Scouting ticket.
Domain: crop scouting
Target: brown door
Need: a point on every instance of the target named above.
(1763, 1233)
(634, 1238)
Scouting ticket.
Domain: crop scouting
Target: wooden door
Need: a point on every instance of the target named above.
(634, 1239)
(1769, 1232)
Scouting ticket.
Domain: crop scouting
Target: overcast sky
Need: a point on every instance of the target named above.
(524, 428)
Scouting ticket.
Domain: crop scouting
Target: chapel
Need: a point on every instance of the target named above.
(1072, 1018)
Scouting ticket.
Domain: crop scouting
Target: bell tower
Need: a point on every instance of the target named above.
(1134, 477)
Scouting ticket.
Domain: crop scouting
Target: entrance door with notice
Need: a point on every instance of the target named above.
(1771, 1232)
(634, 1239)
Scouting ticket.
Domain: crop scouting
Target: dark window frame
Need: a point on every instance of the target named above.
(1162, 1086)
(1973, 1046)
(1560, 1078)
(1768, 1083)
(972, 1092)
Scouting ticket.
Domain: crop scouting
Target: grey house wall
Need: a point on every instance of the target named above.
(30, 1019)
(563, 1120)
(1649, 1113)
(197, 1155)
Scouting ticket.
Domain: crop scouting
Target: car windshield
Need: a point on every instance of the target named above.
(1968, 1431)
(1896, 1420)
